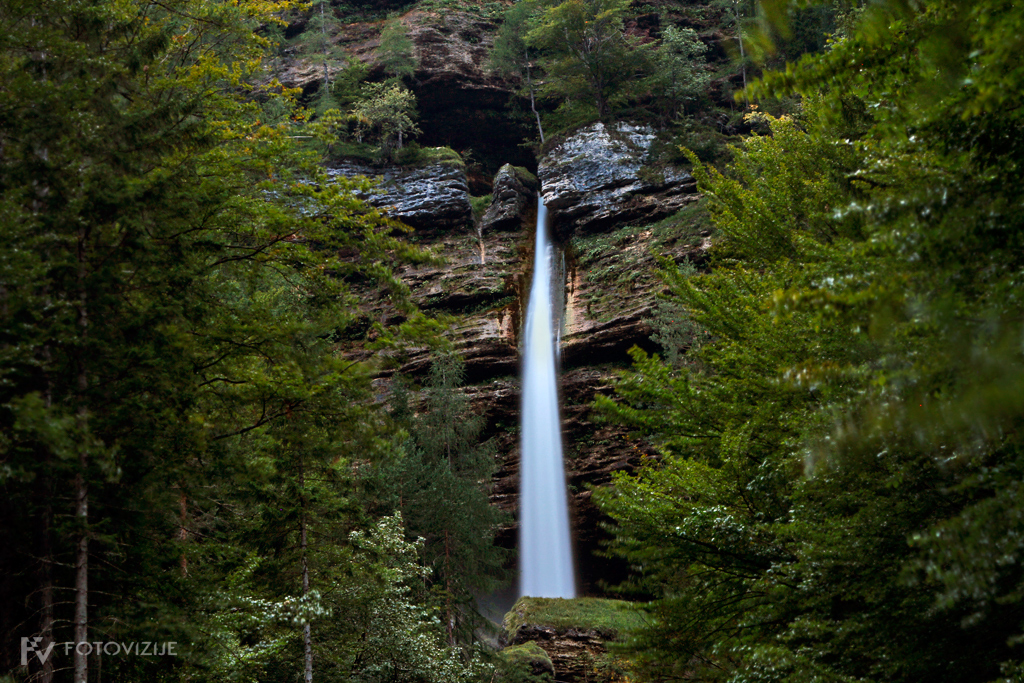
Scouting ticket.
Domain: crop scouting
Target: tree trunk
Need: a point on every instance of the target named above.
(81, 665)
(307, 635)
(45, 541)
(323, 36)
(743, 54)
(45, 577)
(183, 529)
(533, 104)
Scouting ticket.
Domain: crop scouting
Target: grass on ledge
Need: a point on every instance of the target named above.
(608, 617)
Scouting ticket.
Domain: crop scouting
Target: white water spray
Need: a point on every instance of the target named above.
(545, 551)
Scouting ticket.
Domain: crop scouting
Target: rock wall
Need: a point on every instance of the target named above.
(609, 294)
(601, 177)
(432, 199)
(461, 103)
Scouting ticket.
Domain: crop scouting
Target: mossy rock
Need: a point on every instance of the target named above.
(530, 656)
(414, 156)
(607, 618)
(527, 178)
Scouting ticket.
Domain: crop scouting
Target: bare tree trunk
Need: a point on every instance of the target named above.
(81, 666)
(45, 545)
(307, 635)
(45, 576)
(450, 616)
(323, 36)
(739, 39)
(533, 104)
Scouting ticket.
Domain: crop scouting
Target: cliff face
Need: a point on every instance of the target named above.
(461, 104)
(609, 292)
(611, 205)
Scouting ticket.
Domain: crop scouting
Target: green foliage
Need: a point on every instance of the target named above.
(318, 45)
(679, 74)
(586, 55)
(395, 51)
(386, 114)
(414, 155)
(837, 497)
(173, 280)
(480, 205)
(511, 56)
(609, 618)
(522, 660)
(439, 482)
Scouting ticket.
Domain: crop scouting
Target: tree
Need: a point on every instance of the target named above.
(738, 10)
(679, 75)
(511, 56)
(829, 500)
(440, 482)
(319, 44)
(386, 113)
(395, 51)
(174, 282)
(585, 52)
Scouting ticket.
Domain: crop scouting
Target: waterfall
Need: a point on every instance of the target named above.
(545, 551)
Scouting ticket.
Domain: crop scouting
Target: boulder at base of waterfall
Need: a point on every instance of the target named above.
(573, 633)
(432, 199)
(602, 176)
(513, 191)
(531, 657)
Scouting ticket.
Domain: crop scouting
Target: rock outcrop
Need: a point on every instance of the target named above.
(432, 199)
(573, 634)
(599, 178)
(512, 192)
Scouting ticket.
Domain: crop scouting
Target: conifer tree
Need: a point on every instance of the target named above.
(441, 487)
(395, 51)
(169, 290)
(586, 54)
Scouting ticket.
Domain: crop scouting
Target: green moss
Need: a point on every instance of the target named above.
(527, 653)
(414, 156)
(608, 617)
(480, 205)
(356, 151)
(527, 177)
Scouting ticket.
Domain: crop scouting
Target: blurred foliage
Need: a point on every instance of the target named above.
(838, 496)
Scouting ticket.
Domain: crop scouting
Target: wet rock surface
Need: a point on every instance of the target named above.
(574, 653)
(433, 199)
(599, 178)
(513, 190)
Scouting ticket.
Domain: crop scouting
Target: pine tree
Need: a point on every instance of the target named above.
(395, 52)
(441, 484)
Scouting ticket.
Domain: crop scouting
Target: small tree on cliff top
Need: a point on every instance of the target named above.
(587, 55)
(511, 57)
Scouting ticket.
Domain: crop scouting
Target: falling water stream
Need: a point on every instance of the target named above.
(545, 550)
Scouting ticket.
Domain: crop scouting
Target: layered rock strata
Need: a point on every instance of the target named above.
(600, 177)
(434, 198)
(512, 191)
